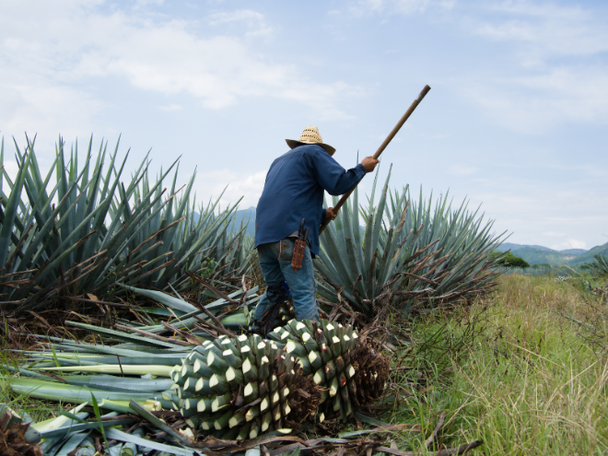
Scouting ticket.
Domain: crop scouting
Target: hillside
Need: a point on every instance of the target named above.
(587, 257)
(545, 256)
(513, 247)
(575, 252)
(536, 254)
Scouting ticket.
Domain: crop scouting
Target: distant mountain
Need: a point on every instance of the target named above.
(587, 257)
(545, 256)
(246, 216)
(575, 252)
(536, 254)
(513, 247)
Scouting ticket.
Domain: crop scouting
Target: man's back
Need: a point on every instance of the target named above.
(291, 193)
(294, 190)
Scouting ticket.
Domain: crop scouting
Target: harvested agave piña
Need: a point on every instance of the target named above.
(351, 372)
(237, 388)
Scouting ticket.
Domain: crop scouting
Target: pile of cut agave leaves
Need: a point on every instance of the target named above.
(188, 393)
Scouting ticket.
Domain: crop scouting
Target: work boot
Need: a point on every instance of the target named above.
(266, 324)
(257, 328)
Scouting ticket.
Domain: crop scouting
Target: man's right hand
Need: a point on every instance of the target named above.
(369, 163)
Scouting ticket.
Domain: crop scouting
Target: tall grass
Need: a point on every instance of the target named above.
(531, 379)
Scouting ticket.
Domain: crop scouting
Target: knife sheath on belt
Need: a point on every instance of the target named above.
(299, 248)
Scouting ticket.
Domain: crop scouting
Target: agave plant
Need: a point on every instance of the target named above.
(88, 230)
(354, 264)
(599, 265)
(462, 243)
(131, 350)
(405, 251)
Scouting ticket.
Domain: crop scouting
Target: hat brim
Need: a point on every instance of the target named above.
(292, 143)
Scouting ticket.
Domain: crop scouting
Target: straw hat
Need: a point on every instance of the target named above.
(310, 135)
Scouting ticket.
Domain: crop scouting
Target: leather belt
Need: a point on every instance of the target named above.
(295, 235)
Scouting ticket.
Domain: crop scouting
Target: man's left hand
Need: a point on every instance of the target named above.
(331, 213)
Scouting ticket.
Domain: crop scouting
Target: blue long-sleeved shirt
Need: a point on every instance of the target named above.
(294, 190)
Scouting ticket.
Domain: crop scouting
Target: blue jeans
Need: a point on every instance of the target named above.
(275, 262)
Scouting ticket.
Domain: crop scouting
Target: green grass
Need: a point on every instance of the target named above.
(524, 370)
(39, 410)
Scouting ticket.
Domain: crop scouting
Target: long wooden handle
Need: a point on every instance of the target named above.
(388, 139)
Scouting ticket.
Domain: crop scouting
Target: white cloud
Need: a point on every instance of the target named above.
(401, 6)
(56, 56)
(447, 4)
(211, 184)
(36, 106)
(172, 107)
(12, 102)
(145, 3)
(554, 234)
(550, 72)
(540, 102)
(235, 16)
(463, 170)
(547, 29)
(254, 20)
(544, 211)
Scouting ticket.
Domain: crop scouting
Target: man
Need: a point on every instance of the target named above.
(293, 194)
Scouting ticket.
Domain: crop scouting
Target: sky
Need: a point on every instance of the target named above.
(515, 122)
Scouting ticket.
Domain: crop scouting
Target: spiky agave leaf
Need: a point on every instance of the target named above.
(408, 249)
(599, 265)
(89, 230)
(361, 265)
(458, 243)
